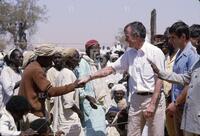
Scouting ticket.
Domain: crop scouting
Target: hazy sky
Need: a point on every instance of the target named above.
(73, 22)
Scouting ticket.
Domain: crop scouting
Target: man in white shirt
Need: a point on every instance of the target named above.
(147, 102)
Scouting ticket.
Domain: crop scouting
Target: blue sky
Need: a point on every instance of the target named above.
(73, 22)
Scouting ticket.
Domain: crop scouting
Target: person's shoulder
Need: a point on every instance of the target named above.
(52, 69)
(66, 71)
(6, 68)
(151, 47)
(191, 49)
(33, 69)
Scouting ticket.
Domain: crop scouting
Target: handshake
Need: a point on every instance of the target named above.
(79, 83)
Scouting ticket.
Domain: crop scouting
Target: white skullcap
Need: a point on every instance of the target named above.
(118, 87)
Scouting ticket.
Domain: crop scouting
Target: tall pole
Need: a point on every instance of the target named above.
(153, 24)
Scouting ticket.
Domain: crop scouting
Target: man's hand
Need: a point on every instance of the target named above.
(171, 109)
(84, 80)
(150, 111)
(92, 101)
(79, 84)
(154, 67)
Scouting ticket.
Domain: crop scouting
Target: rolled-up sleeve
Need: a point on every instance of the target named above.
(159, 59)
(121, 64)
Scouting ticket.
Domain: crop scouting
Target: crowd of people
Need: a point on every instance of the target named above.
(147, 89)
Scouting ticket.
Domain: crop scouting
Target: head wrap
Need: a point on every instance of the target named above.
(10, 52)
(68, 52)
(114, 55)
(45, 50)
(91, 43)
(28, 57)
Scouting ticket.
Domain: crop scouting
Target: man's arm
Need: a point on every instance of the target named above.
(172, 77)
(152, 106)
(182, 97)
(157, 91)
(179, 101)
(99, 74)
(57, 91)
(44, 85)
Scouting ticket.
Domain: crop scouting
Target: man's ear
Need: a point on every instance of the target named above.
(183, 36)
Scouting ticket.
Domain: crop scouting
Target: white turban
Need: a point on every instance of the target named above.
(118, 87)
(114, 55)
(45, 50)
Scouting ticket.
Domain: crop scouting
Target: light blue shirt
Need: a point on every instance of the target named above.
(183, 63)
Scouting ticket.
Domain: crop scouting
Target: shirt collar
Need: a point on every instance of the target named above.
(185, 50)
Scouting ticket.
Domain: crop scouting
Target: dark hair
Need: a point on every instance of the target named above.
(195, 31)
(137, 28)
(166, 33)
(40, 125)
(18, 104)
(180, 28)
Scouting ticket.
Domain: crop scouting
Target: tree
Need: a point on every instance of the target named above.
(18, 17)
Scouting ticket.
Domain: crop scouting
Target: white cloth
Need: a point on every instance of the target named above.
(65, 118)
(112, 131)
(119, 87)
(100, 87)
(134, 61)
(52, 74)
(113, 78)
(8, 78)
(7, 124)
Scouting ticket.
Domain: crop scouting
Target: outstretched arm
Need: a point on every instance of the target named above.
(171, 77)
(101, 73)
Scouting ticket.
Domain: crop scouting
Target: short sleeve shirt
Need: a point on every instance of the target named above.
(142, 78)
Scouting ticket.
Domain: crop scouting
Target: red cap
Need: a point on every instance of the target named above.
(91, 43)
